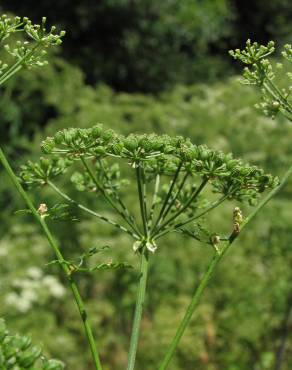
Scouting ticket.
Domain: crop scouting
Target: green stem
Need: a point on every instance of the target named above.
(138, 311)
(17, 66)
(193, 218)
(58, 253)
(11, 73)
(90, 211)
(283, 100)
(187, 204)
(176, 195)
(106, 197)
(154, 200)
(168, 195)
(209, 272)
(142, 200)
(117, 196)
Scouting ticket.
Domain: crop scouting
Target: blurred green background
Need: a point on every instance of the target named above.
(150, 66)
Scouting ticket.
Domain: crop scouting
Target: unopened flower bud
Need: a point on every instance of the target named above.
(276, 104)
(137, 245)
(151, 246)
(43, 209)
(237, 215)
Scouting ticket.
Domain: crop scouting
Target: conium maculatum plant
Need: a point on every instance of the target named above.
(173, 178)
(178, 184)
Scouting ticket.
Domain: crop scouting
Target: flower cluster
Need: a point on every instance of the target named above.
(32, 289)
(10, 25)
(37, 174)
(17, 352)
(260, 72)
(287, 52)
(171, 174)
(161, 154)
(31, 48)
(39, 33)
(254, 55)
(109, 175)
(253, 52)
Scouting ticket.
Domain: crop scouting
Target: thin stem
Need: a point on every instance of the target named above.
(138, 311)
(91, 212)
(59, 255)
(187, 204)
(176, 195)
(117, 196)
(144, 190)
(284, 101)
(154, 200)
(17, 66)
(142, 200)
(193, 218)
(209, 272)
(168, 195)
(11, 73)
(106, 197)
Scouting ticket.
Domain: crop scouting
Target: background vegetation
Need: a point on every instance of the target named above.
(139, 66)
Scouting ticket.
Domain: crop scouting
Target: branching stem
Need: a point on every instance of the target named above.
(209, 272)
(107, 198)
(59, 255)
(90, 211)
(118, 198)
(154, 200)
(168, 195)
(176, 195)
(193, 218)
(17, 66)
(139, 177)
(185, 206)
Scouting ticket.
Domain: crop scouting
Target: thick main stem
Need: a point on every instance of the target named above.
(209, 272)
(143, 276)
(138, 311)
(59, 255)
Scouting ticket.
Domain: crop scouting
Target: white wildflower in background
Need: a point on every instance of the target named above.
(34, 272)
(21, 304)
(34, 289)
(54, 286)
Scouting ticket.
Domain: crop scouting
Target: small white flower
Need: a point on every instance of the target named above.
(11, 299)
(34, 273)
(29, 295)
(55, 288)
(151, 246)
(23, 305)
(137, 245)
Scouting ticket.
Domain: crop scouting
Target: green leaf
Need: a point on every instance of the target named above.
(21, 212)
(63, 212)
